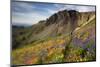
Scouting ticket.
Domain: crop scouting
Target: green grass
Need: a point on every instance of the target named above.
(54, 55)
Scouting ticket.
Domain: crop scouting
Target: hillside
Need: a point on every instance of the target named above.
(66, 36)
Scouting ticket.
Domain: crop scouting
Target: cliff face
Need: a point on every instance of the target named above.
(66, 21)
(72, 16)
(64, 17)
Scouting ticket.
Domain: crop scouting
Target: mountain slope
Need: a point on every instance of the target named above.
(66, 36)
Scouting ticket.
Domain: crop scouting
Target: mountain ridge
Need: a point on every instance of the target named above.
(59, 23)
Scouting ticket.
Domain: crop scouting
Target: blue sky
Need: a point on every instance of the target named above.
(31, 13)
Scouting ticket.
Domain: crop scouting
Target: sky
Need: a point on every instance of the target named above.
(29, 13)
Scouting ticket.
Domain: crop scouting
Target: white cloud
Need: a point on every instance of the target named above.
(28, 18)
(85, 8)
(80, 8)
